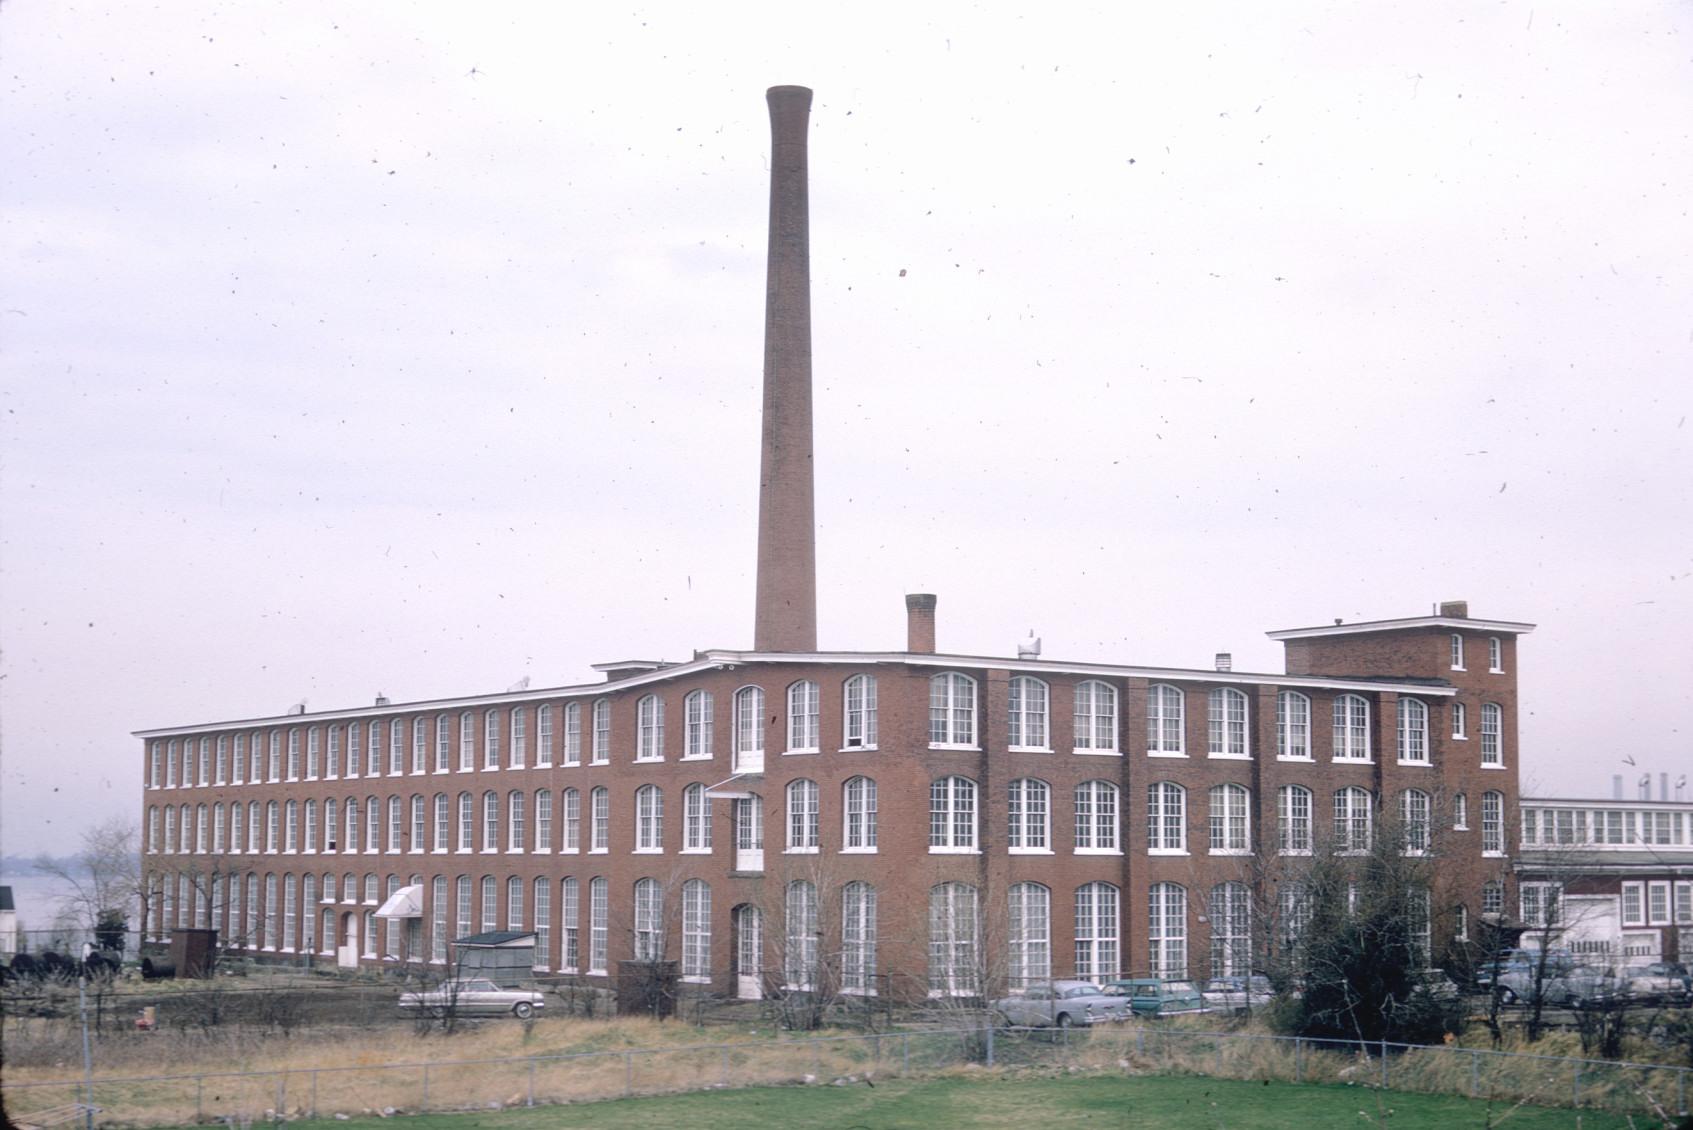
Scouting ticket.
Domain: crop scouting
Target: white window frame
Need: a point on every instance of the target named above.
(1492, 736)
(1098, 808)
(1094, 719)
(1493, 824)
(1295, 828)
(649, 728)
(858, 815)
(858, 729)
(1457, 652)
(697, 708)
(1098, 933)
(1354, 820)
(600, 754)
(572, 734)
(545, 735)
(803, 801)
(1413, 732)
(1166, 818)
(804, 717)
(649, 820)
(1351, 728)
(1029, 715)
(599, 821)
(1028, 935)
(1293, 726)
(1166, 721)
(1495, 656)
(1228, 724)
(952, 816)
(1166, 932)
(696, 820)
(952, 711)
(1029, 817)
(1229, 817)
(1416, 812)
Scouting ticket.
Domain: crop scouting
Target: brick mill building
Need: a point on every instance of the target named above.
(905, 823)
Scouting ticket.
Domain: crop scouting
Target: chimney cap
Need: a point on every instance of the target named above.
(919, 601)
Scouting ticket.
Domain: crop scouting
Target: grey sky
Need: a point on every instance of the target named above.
(415, 348)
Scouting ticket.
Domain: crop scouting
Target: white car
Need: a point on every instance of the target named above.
(476, 996)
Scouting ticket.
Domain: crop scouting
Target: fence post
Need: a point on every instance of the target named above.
(281, 1096)
(314, 1093)
(905, 1054)
(1681, 1091)
(1575, 1090)
(1475, 1075)
(1298, 1061)
(426, 1086)
(990, 1045)
(628, 1074)
(1384, 1063)
(531, 1083)
(199, 1098)
(725, 1066)
(816, 1058)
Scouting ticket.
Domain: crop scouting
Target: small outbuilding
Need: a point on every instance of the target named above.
(506, 957)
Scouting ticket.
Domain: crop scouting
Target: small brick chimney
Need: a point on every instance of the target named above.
(920, 623)
(1456, 609)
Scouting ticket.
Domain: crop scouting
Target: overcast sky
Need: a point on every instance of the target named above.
(413, 349)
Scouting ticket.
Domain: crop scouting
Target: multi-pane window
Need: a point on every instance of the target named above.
(1097, 937)
(1493, 823)
(332, 756)
(858, 800)
(443, 823)
(1230, 820)
(1029, 810)
(290, 826)
(1490, 727)
(355, 751)
(803, 799)
(373, 824)
(1293, 810)
(543, 820)
(1459, 720)
(860, 716)
(490, 904)
(799, 941)
(220, 772)
(1166, 930)
(205, 777)
(1027, 723)
(1457, 650)
(155, 756)
(601, 752)
(516, 830)
(1096, 717)
(1540, 904)
(543, 922)
(519, 737)
(1460, 811)
(649, 728)
(293, 757)
(649, 920)
(490, 821)
(649, 818)
(952, 814)
(858, 938)
(544, 741)
(1495, 655)
(200, 829)
(514, 903)
(217, 826)
(418, 829)
(1164, 722)
(952, 710)
(396, 747)
(396, 824)
(1351, 820)
(467, 822)
(1351, 728)
(1293, 726)
(954, 940)
(1493, 897)
(1226, 723)
(573, 733)
(419, 745)
(290, 912)
(331, 824)
(749, 729)
(1029, 935)
(270, 826)
(697, 729)
(572, 820)
(273, 757)
(1413, 731)
(491, 740)
(237, 764)
(1414, 817)
(467, 741)
(1096, 817)
(1166, 818)
(804, 724)
(570, 925)
(696, 930)
(443, 743)
(696, 819)
(599, 820)
(170, 766)
(1231, 930)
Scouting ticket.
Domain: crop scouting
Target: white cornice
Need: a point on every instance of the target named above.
(1502, 627)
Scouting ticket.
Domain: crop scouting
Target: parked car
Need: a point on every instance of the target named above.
(1571, 988)
(1061, 1004)
(1237, 994)
(1653, 983)
(1522, 963)
(476, 996)
(1151, 997)
(1437, 984)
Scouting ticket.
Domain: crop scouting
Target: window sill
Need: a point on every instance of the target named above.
(695, 851)
(1460, 737)
(954, 851)
(800, 752)
(1236, 852)
(959, 746)
(799, 851)
(1029, 749)
(856, 749)
(1166, 851)
(464, 851)
(1228, 756)
(599, 851)
(647, 851)
(1494, 855)
(541, 851)
(1303, 853)
(1490, 765)
(694, 980)
(1495, 670)
(648, 761)
(1305, 757)
(538, 765)
(1098, 851)
(1426, 764)
(696, 757)
(1163, 753)
(1096, 752)
(1354, 760)
(1028, 851)
(1459, 668)
(858, 851)
(570, 851)
(1460, 827)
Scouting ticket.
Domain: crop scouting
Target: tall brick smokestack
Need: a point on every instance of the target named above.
(786, 615)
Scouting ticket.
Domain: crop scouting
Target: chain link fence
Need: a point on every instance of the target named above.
(243, 1098)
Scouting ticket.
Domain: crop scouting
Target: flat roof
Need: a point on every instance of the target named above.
(1501, 627)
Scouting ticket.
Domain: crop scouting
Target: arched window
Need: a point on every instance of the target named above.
(1495, 656)
(373, 824)
(1027, 725)
(1230, 820)
(803, 818)
(749, 730)
(237, 826)
(1029, 935)
(467, 741)
(602, 732)
(1166, 930)
(1351, 728)
(1414, 816)
(1098, 957)
(270, 827)
(1493, 823)
(1457, 649)
(1030, 813)
(858, 810)
(649, 728)
(217, 827)
(572, 820)
(696, 930)
(804, 725)
(1293, 809)
(443, 744)
(952, 815)
(545, 742)
(443, 823)
(697, 707)
(1351, 820)
(649, 920)
(1460, 811)
(419, 823)
(954, 940)
(419, 745)
(490, 904)
(331, 824)
(490, 821)
(858, 938)
(290, 825)
(355, 751)
(1231, 930)
(1293, 726)
(1491, 725)
(1226, 723)
(573, 734)
(293, 757)
(153, 829)
(649, 818)
(1096, 717)
(467, 822)
(543, 820)
(696, 819)
(170, 828)
(1096, 817)
(1413, 731)
(514, 903)
(221, 771)
(516, 829)
(1166, 818)
(1460, 721)
(860, 713)
(491, 740)
(1164, 724)
(570, 926)
(799, 956)
(519, 739)
(599, 820)
(952, 710)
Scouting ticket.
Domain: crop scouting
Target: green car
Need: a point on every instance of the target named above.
(1151, 997)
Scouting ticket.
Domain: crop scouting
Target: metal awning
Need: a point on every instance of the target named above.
(407, 902)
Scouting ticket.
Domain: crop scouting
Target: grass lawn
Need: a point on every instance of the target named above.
(996, 1101)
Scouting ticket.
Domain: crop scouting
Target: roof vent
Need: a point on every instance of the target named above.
(1225, 661)
(298, 707)
(1029, 648)
(381, 699)
(1456, 609)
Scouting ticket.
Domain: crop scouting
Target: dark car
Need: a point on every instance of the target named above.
(1151, 997)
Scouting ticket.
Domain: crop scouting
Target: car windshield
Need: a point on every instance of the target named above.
(1079, 991)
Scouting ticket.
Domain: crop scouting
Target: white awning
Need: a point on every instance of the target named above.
(407, 902)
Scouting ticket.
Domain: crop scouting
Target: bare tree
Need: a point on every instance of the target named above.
(104, 876)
